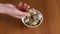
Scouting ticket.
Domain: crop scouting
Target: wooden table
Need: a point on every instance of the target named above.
(51, 24)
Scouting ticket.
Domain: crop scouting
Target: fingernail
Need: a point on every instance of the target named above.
(25, 4)
(20, 4)
(28, 6)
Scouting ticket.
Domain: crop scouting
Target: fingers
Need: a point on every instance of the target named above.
(19, 17)
(20, 4)
(24, 6)
(11, 5)
(33, 8)
(25, 14)
(27, 7)
(20, 13)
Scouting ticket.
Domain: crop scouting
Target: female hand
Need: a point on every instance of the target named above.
(11, 10)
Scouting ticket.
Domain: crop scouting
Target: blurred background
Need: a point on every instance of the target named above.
(51, 13)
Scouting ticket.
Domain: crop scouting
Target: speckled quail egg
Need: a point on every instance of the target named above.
(32, 12)
(39, 16)
(35, 17)
(33, 23)
(27, 20)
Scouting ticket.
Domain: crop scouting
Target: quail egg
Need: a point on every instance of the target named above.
(27, 20)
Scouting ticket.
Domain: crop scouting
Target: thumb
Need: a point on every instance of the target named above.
(25, 14)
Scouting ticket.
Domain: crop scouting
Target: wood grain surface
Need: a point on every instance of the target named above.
(50, 10)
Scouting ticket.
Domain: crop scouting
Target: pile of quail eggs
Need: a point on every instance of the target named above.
(34, 20)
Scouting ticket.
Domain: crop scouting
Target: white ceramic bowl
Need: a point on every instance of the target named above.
(35, 25)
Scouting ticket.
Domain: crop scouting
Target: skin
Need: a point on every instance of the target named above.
(11, 10)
